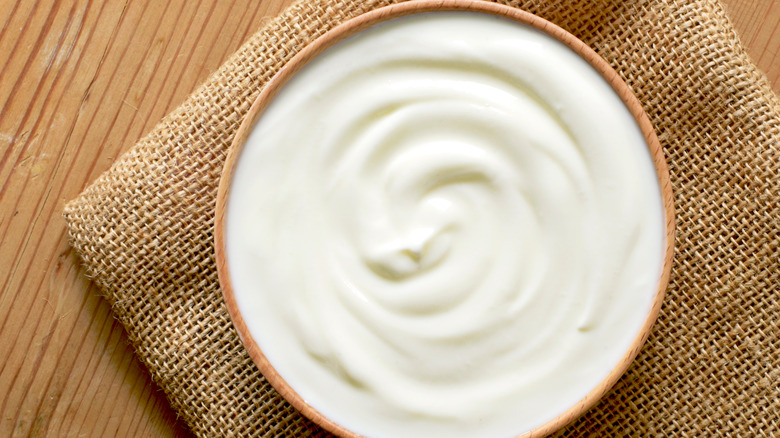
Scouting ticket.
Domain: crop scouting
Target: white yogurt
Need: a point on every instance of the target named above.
(448, 225)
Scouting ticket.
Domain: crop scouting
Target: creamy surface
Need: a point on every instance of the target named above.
(448, 225)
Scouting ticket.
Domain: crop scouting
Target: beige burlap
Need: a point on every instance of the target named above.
(712, 364)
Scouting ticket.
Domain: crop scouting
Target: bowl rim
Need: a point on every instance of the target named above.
(361, 22)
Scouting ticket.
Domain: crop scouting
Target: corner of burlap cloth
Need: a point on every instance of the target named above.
(710, 367)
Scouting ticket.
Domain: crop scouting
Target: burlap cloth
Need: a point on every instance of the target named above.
(712, 363)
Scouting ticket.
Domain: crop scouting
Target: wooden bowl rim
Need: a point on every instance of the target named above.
(379, 15)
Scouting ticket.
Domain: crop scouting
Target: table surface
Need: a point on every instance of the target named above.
(102, 73)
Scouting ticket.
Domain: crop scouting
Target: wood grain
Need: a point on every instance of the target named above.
(758, 25)
(75, 75)
(80, 82)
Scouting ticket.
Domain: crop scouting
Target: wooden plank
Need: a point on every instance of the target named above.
(758, 25)
(80, 82)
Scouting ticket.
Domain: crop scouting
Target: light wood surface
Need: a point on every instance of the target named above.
(80, 82)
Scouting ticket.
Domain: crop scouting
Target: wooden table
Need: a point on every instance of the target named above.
(102, 73)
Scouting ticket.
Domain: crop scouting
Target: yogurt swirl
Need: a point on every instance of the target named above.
(447, 225)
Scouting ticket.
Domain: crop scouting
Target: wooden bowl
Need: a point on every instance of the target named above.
(374, 17)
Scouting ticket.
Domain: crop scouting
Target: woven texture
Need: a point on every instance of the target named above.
(711, 366)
